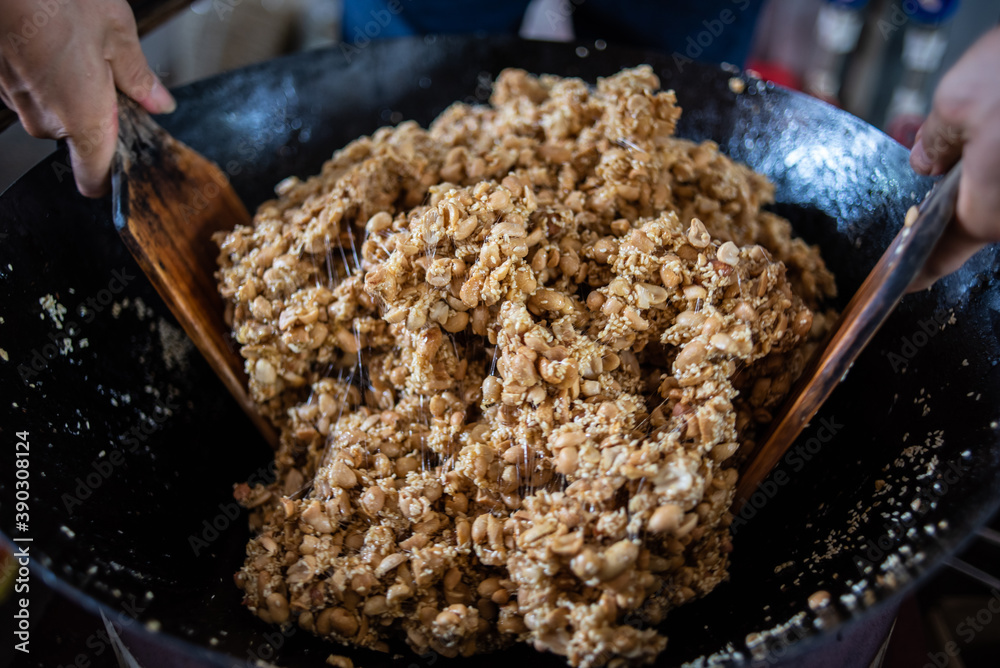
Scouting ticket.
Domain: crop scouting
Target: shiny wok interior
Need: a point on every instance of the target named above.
(136, 445)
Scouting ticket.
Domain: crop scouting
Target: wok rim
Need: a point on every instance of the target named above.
(813, 641)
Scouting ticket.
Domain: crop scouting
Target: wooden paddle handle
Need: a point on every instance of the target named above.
(168, 202)
(868, 309)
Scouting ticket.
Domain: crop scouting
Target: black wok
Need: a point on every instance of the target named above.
(134, 445)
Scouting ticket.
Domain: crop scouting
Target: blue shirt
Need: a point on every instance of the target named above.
(708, 30)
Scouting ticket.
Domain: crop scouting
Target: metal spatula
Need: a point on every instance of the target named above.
(868, 309)
(168, 200)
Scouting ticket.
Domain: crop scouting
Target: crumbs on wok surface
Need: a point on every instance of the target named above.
(515, 359)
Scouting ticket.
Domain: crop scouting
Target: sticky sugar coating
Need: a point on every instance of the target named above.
(515, 359)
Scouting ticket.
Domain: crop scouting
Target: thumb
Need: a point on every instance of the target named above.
(135, 78)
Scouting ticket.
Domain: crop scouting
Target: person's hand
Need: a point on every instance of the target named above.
(60, 63)
(965, 122)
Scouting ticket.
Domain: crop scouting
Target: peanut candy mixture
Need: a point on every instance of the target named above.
(515, 359)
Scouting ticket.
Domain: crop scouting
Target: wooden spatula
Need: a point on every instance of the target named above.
(868, 309)
(167, 202)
